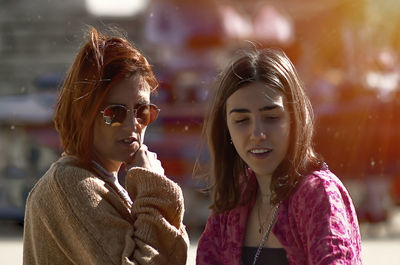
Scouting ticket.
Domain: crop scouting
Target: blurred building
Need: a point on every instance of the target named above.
(38, 42)
(346, 53)
(39, 39)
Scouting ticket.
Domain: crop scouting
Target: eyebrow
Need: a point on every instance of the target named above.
(270, 107)
(142, 102)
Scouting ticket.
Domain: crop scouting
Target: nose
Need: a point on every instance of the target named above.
(131, 122)
(258, 131)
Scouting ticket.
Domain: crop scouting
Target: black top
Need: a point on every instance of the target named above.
(268, 256)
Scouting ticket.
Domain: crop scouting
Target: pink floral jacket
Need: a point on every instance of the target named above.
(316, 225)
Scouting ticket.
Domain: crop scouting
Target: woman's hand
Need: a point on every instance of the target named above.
(145, 159)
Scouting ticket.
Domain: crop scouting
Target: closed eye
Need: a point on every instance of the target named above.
(241, 120)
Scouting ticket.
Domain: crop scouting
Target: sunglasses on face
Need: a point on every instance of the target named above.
(114, 115)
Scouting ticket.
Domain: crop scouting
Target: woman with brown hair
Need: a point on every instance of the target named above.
(274, 201)
(78, 212)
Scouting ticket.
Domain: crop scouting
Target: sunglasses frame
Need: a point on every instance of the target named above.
(135, 110)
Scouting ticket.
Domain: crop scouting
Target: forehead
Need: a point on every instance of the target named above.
(131, 89)
(256, 95)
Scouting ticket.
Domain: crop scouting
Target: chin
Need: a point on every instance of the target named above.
(122, 159)
(262, 170)
(264, 174)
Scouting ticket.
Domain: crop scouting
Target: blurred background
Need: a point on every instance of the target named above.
(346, 52)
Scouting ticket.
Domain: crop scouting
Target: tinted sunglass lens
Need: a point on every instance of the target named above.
(114, 115)
(143, 114)
(146, 114)
(153, 113)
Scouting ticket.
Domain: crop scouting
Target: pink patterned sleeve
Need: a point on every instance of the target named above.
(326, 221)
(207, 249)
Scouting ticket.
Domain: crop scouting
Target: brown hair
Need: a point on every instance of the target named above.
(101, 61)
(273, 68)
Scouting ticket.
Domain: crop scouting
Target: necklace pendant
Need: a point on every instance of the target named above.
(259, 230)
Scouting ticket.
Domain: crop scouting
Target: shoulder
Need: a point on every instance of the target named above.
(230, 222)
(324, 216)
(319, 191)
(217, 221)
(320, 194)
(222, 236)
(70, 177)
(239, 213)
(65, 179)
(322, 182)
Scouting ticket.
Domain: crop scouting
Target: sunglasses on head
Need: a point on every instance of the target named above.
(114, 115)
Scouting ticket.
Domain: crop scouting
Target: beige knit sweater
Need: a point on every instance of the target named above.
(74, 217)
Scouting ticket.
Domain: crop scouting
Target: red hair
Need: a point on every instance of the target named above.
(102, 60)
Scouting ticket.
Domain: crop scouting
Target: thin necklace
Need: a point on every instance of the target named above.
(260, 223)
(267, 232)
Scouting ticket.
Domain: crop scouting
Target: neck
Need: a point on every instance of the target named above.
(264, 192)
(111, 166)
(111, 169)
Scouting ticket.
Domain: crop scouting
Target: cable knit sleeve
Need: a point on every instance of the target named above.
(158, 212)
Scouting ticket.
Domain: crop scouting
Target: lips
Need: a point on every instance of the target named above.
(128, 141)
(260, 152)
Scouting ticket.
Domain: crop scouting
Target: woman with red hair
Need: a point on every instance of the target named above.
(78, 212)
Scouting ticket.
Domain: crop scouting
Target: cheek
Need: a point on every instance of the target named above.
(237, 138)
(285, 135)
(232, 132)
(286, 130)
(99, 134)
